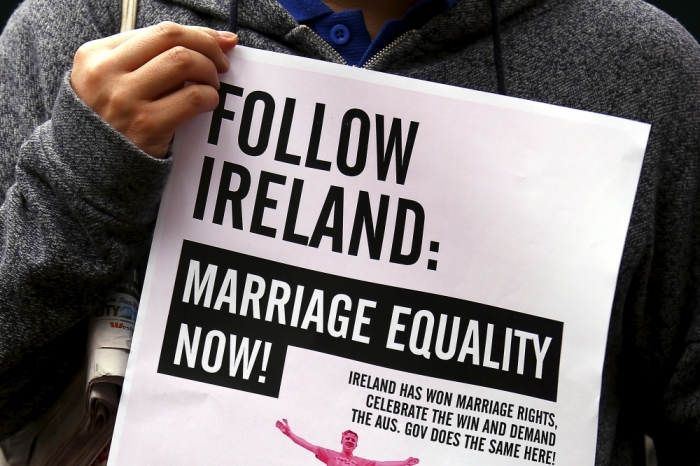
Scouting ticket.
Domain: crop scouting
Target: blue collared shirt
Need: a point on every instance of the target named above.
(346, 32)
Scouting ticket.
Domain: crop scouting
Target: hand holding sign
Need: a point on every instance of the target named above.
(135, 80)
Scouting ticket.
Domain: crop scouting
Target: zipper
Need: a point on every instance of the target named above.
(378, 56)
(368, 64)
(325, 44)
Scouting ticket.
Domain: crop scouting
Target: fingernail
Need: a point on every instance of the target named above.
(227, 34)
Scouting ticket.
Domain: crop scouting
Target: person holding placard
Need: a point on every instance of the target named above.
(84, 157)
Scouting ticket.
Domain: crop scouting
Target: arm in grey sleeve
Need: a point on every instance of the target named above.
(661, 373)
(78, 204)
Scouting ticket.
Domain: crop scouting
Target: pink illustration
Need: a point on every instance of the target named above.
(342, 458)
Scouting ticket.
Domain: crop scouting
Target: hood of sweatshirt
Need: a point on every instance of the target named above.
(466, 22)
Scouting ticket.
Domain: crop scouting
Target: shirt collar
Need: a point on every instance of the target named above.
(360, 48)
(307, 10)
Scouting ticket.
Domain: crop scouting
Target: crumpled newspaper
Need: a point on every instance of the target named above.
(77, 430)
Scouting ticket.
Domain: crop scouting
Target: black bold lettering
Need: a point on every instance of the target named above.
(225, 194)
(262, 202)
(403, 156)
(281, 154)
(203, 190)
(363, 216)
(292, 213)
(265, 125)
(362, 145)
(220, 113)
(414, 254)
(315, 141)
(334, 202)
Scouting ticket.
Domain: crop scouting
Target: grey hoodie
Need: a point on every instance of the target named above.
(79, 200)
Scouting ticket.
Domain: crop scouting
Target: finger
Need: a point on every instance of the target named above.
(107, 43)
(118, 39)
(176, 108)
(169, 71)
(142, 48)
(153, 128)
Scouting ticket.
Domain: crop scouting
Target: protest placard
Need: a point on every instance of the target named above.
(432, 268)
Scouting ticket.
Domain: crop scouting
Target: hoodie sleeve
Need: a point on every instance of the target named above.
(78, 202)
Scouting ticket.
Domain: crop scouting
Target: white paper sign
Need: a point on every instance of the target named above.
(429, 267)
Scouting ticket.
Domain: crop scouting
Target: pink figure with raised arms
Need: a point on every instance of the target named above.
(343, 458)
